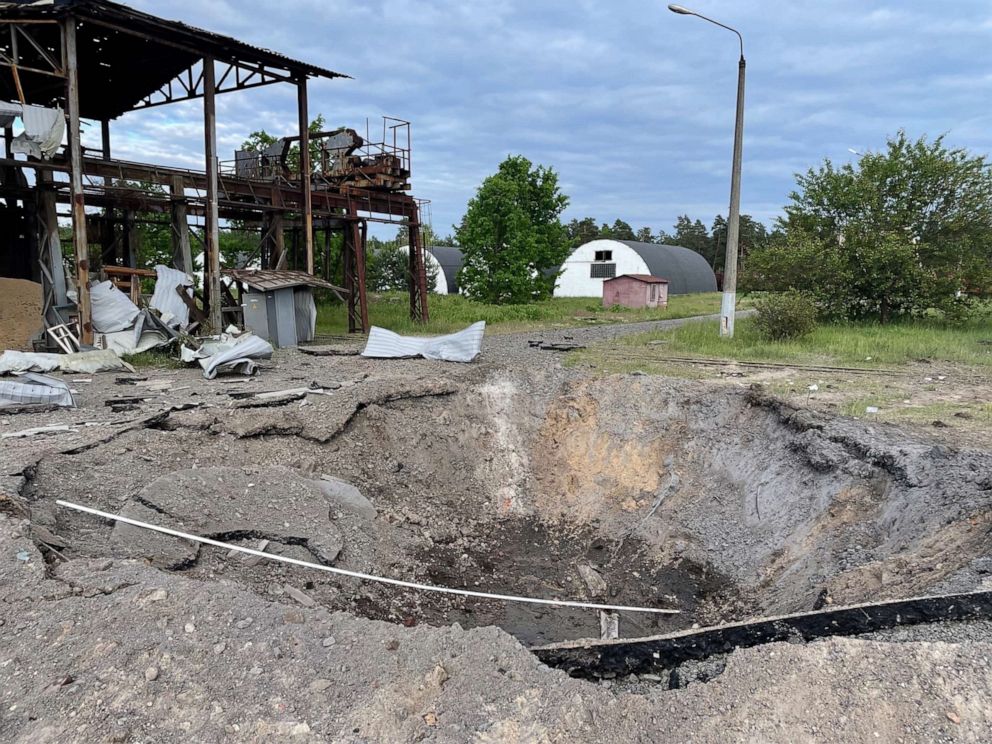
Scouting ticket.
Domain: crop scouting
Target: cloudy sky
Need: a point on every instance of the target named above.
(631, 104)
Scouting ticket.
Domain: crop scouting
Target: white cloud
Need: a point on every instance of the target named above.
(632, 104)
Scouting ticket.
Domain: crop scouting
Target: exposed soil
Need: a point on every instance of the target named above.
(20, 310)
(514, 476)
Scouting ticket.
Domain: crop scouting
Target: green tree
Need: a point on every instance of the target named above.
(751, 235)
(581, 231)
(692, 234)
(387, 267)
(644, 235)
(619, 230)
(900, 232)
(511, 236)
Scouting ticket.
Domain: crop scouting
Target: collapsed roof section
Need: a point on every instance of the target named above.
(127, 59)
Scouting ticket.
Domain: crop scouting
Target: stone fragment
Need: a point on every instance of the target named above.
(299, 596)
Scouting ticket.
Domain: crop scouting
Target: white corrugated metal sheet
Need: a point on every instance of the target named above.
(463, 346)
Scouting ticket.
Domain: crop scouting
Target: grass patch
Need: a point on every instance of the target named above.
(453, 312)
(848, 345)
(155, 358)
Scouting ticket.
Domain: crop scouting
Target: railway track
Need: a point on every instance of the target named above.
(709, 361)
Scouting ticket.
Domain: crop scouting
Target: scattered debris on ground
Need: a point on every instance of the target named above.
(514, 475)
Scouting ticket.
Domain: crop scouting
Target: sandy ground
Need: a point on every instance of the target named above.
(20, 308)
(503, 475)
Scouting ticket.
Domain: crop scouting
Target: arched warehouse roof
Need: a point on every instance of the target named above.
(590, 264)
(450, 259)
(447, 260)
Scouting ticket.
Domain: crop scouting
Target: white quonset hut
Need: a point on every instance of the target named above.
(584, 271)
(447, 260)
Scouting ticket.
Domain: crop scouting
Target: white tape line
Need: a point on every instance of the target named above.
(356, 574)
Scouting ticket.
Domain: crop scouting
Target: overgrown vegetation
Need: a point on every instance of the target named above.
(454, 312)
(786, 315)
(898, 234)
(866, 344)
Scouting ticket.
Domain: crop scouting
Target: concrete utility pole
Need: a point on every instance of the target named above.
(728, 308)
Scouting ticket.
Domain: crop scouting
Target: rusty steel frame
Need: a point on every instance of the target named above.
(17, 28)
(417, 278)
(217, 196)
(190, 88)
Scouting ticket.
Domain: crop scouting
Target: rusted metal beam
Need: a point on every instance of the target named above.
(306, 175)
(360, 231)
(79, 244)
(277, 242)
(397, 206)
(192, 95)
(418, 274)
(182, 252)
(212, 262)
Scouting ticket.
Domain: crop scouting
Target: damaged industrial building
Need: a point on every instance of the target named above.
(74, 63)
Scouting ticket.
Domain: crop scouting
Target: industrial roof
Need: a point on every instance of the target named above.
(126, 55)
(685, 270)
(646, 278)
(266, 280)
(450, 259)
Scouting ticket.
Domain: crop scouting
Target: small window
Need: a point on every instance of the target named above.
(604, 255)
(602, 270)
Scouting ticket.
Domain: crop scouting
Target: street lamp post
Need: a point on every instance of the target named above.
(728, 308)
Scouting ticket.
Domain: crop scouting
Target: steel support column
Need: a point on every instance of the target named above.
(79, 244)
(353, 260)
(360, 230)
(212, 258)
(182, 250)
(306, 175)
(417, 278)
(50, 249)
(105, 140)
(278, 257)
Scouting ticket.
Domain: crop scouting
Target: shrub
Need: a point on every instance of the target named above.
(785, 315)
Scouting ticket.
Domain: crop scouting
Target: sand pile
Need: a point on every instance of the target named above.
(20, 313)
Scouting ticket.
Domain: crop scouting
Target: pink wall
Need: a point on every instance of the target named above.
(629, 292)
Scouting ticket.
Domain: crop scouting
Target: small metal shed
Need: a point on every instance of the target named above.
(278, 305)
(635, 291)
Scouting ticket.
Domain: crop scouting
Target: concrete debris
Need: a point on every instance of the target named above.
(299, 596)
(609, 625)
(593, 579)
(344, 495)
(35, 431)
(516, 474)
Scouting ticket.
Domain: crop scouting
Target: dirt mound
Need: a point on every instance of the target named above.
(20, 313)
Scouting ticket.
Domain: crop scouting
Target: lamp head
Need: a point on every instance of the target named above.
(680, 10)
